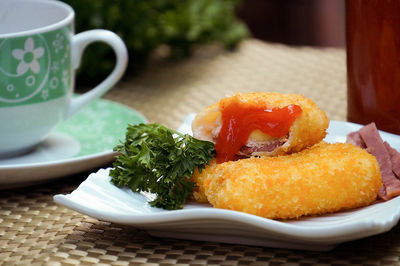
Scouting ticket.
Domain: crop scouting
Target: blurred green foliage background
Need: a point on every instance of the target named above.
(144, 25)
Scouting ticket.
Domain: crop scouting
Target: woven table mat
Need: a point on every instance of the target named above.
(34, 230)
(167, 91)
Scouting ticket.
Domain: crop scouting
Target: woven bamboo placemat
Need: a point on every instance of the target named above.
(34, 230)
(167, 91)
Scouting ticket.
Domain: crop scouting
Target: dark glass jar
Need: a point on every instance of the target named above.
(373, 62)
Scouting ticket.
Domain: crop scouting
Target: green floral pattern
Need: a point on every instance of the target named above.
(35, 68)
(100, 126)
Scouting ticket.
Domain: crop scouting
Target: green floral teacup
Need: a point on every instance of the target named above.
(39, 53)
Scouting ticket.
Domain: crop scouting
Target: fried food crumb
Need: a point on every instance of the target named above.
(322, 179)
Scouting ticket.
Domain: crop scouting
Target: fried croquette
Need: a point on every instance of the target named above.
(308, 128)
(322, 179)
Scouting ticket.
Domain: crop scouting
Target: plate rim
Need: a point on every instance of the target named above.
(73, 159)
(337, 233)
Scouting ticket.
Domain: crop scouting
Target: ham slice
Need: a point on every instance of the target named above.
(271, 146)
(395, 158)
(388, 158)
(355, 139)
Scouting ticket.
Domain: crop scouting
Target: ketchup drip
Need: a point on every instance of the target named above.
(239, 120)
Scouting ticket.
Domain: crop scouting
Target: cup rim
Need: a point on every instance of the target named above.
(59, 24)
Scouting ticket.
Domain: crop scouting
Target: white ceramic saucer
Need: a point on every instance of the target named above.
(83, 142)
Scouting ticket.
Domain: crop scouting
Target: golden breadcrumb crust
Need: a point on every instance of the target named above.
(308, 129)
(322, 179)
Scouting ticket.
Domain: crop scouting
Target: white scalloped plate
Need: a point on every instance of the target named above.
(98, 198)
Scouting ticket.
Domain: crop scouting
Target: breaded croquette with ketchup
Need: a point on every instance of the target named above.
(322, 179)
(260, 124)
(271, 160)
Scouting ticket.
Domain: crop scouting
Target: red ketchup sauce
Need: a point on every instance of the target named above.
(239, 120)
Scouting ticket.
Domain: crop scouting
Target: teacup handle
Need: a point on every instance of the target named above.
(79, 42)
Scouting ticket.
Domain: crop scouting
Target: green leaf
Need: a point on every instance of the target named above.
(159, 160)
(146, 25)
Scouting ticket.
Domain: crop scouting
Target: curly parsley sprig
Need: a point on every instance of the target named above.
(160, 160)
